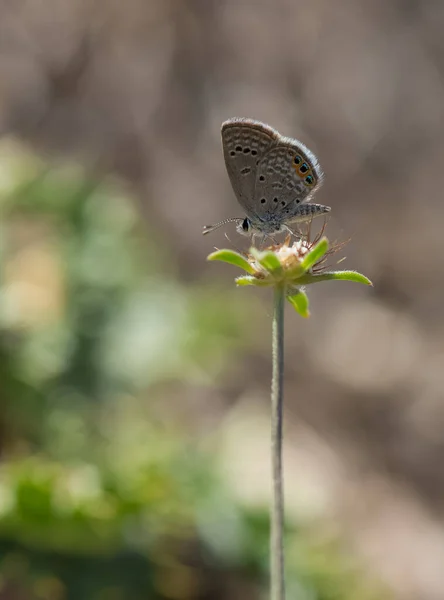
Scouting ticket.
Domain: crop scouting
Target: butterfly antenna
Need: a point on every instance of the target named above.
(210, 228)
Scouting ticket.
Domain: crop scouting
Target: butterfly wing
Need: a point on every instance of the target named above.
(287, 176)
(245, 143)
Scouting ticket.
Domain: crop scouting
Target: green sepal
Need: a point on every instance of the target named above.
(315, 254)
(332, 275)
(268, 260)
(249, 280)
(233, 258)
(300, 303)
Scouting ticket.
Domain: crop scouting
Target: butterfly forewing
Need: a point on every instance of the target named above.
(245, 142)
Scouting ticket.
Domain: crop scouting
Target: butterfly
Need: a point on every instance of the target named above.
(273, 177)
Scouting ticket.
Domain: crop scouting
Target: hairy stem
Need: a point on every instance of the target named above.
(277, 575)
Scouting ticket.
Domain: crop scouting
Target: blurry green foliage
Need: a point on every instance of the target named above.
(117, 316)
(100, 499)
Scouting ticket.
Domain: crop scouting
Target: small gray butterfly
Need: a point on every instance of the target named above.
(273, 177)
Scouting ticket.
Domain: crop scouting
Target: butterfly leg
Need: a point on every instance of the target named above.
(297, 234)
(290, 230)
(254, 235)
(266, 236)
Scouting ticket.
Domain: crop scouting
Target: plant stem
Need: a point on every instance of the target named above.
(277, 575)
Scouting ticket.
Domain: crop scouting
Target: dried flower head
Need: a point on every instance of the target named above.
(292, 265)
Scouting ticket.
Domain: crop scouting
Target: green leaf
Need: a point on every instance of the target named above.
(315, 254)
(332, 275)
(299, 302)
(268, 260)
(233, 258)
(248, 280)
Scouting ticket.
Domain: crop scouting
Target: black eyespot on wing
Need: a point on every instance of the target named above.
(304, 168)
(253, 152)
(263, 200)
(283, 203)
(275, 200)
(232, 153)
(238, 148)
(297, 159)
(246, 224)
(309, 180)
(298, 200)
(245, 170)
(246, 150)
(261, 178)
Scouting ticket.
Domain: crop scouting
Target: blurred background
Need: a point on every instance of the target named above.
(134, 376)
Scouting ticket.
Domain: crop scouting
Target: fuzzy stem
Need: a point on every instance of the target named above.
(277, 575)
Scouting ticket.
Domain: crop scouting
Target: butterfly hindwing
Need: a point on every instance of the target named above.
(286, 177)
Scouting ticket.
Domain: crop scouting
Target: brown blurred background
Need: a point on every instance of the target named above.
(113, 326)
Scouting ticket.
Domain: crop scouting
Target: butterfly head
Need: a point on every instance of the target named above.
(266, 226)
(244, 227)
